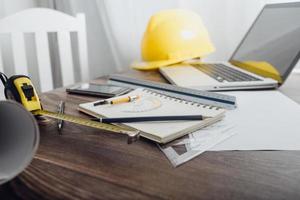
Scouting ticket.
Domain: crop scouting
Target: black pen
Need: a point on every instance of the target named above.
(150, 118)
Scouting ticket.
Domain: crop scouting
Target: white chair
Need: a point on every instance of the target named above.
(41, 21)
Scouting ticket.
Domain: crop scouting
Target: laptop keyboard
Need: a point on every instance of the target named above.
(223, 73)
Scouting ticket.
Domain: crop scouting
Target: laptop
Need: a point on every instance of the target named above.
(263, 59)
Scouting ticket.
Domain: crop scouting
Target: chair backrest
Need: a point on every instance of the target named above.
(40, 22)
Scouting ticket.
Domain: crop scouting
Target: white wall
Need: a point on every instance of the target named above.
(8, 7)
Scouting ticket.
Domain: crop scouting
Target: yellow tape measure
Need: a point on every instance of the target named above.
(132, 134)
(21, 89)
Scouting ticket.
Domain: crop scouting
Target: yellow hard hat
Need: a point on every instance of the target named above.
(173, 36)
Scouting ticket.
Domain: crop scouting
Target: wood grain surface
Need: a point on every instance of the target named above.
(86, 163)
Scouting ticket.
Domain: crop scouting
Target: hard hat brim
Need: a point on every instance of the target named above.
(153, 65)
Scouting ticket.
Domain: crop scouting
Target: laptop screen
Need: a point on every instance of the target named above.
(272, 45)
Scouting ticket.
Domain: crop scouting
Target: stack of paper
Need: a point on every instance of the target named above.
(264, 120)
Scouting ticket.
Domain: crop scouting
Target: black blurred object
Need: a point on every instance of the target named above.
(98, 90)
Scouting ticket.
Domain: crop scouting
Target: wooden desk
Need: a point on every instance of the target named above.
(88, 163)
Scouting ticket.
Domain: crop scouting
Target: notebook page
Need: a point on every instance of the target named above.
(154, 104)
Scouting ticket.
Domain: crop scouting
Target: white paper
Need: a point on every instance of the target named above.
(265, 120)
(188, 147)
(210, 135)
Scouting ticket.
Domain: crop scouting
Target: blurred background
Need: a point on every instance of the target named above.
(115, 28)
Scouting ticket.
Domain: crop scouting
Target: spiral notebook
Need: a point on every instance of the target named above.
(153, 103)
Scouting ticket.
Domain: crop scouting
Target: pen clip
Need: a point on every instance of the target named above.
(101, 102)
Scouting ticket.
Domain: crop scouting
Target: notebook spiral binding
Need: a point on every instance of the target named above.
(155, 93)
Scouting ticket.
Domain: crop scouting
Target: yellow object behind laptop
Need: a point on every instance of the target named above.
(261, 68)
(173, 36)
